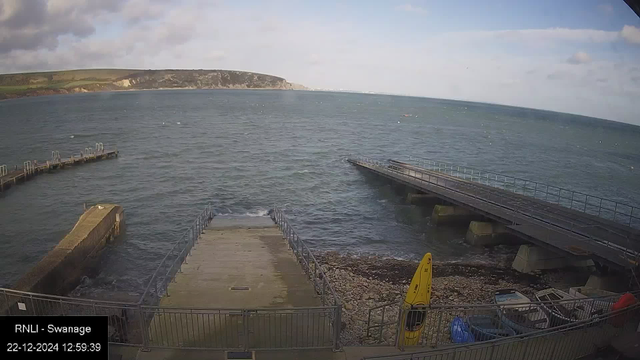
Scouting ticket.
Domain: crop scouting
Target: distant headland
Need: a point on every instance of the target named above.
(94, 80)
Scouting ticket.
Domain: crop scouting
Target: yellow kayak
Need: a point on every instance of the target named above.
(418, 297)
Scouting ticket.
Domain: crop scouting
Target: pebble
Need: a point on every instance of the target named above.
(366, 283)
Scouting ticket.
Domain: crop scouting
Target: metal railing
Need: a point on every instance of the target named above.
(534, 209)
(164, 327)
(240, 329)
(126, 322)
(388, 322)
(590, 204)
(314, 271)
(568, 341)
(172, 262)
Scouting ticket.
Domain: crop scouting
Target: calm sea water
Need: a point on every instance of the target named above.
(245, 151)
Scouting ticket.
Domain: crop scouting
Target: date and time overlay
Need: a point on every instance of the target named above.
(42, 337)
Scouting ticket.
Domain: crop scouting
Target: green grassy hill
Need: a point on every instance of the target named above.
(72, 81)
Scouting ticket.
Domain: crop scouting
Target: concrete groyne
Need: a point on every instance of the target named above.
(63, 267)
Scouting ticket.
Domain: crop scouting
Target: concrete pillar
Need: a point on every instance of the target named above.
(616, 284)
(443, 214)
(532, 258)
(489, 234)
(587, 292)
(423, 199)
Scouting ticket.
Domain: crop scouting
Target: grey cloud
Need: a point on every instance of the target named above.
(20, 14)
(25, 40)
(135, 11)
(37, 24)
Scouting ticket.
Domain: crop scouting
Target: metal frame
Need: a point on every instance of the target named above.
(125, 319)
(3, 170)
(239, 329)
(55, 157)
(313, 270)
(159, 282)
(305, 257)
(569, 341)
(390, 317)
(28, 168)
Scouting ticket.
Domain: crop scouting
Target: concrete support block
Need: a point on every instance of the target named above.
(423, 199)
(532, 258)
(450, 215)
(489, 234)
(616, 284)
(588, 292)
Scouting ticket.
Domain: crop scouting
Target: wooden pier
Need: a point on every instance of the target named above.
(30, 169)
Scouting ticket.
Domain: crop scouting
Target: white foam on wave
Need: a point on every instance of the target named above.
(257, 213)
(302, 171)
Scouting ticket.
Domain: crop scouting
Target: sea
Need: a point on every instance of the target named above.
(246, 151)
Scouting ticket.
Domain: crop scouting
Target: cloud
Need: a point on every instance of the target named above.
(580, 57)
(411, 8)
(324, 53)
(550, 34)
(606, 9)
(631, 34)
(140, 10)
(33, 24)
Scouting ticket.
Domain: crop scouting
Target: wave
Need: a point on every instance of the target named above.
(226, 212)
(257, 213)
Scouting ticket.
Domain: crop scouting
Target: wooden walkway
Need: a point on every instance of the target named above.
(31, 169)
(555, 227)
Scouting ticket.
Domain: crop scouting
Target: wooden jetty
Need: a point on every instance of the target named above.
(33, 168)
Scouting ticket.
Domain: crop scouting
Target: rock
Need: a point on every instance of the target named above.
(370, 281)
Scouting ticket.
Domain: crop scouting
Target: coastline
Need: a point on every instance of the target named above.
(133, 90)
(363, 282)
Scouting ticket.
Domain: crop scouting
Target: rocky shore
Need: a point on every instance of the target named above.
(364, 282)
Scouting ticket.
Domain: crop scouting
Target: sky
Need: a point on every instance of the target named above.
(576, 56)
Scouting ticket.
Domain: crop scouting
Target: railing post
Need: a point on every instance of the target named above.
(324, 291)
(600, 207)
(400, 329)
(245, 329)
(337, 325)
(381, 323)
(143, 330)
